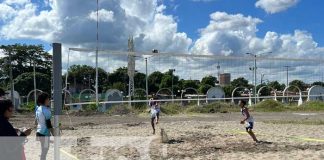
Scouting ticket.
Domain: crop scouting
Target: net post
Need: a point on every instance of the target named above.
(57, 95)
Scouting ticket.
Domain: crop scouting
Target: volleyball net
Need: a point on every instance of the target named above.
(135, 77)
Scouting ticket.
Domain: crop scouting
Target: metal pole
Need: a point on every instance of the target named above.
(287, 69)
(287, 77)
(172, 85)
(35, 94)
(97, 47)
(11, 82)
(57, 95)
(146, 79)
(255, 68)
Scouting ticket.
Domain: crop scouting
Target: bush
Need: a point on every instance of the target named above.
(311, 106)
(30, 107)
(212, 108)
(269, 106)
(171, 108)
(90, 107)
(119, 110)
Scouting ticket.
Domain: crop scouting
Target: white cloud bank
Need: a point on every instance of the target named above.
(275, 6)
(73, 23)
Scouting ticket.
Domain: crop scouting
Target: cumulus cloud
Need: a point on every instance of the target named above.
(103, 15)
(226, 34)
(275, 6)
(235, 35)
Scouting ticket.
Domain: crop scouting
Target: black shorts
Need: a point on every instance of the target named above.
(250, 126)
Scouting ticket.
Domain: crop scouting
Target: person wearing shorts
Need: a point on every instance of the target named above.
(153, 113)
(248, 120)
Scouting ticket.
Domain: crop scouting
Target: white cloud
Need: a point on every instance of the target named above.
(6, 12)
(103, 15)
(226, 34)
(16, 2)
(275, 6)
(203, 0)
(235, 35)
(68, 22)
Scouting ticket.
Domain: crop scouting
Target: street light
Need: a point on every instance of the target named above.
(172, 70)
(146, 74)
(254, 69)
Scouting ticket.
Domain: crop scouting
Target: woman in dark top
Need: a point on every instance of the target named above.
(11, 139)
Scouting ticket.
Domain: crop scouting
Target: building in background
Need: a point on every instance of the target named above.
(225, 79)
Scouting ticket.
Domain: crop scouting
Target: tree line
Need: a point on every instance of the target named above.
(24, 57)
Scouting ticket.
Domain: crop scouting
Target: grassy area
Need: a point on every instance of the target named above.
(120, 110)
(304, 122)
(275, 106)
(216, 107)
(269, 106)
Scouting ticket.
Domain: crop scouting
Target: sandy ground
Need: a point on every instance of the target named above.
(210, 136)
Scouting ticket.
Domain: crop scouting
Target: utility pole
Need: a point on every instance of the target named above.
(255, 78)
(287, 70)
(35, 87)
(262, 76)
(97, 47)
(172, 70)
(146, 80)
(11, 81)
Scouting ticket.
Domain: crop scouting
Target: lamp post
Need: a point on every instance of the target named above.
(11, 82)
(172, 70)
(146, 74)
(255, 73)
(287, 69)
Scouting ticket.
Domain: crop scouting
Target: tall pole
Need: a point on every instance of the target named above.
(172, 86)
(11, 81)
(35, 94)
(172, 70)
(255, 68)
(97, 47)
(146, 81)
(57, 95)
(287, 70)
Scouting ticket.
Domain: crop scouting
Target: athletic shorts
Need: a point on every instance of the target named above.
(249, 126)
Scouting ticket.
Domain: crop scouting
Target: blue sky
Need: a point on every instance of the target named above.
(289, 28)
(191, 16)
(306, 15)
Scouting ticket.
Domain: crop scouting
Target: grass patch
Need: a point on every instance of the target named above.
(310, 106)
(216, 107)
(120, 110)
(304, 122)
(171, 108)
(269, 106)
(90, 107)
(30, 107)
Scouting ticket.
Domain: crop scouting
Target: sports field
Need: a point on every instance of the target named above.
(286, 135)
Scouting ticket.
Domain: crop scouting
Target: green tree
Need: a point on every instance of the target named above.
(240, 82)
(203, 88)
(140, 80)
(228, 91)
(23, 58)
(190, 83)
(120, 86)
(318, 83)
(154, 81)
(276, 85)
(300, 84)
(82, 76)
(265, 91)
(210, 80)
(24, 83)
